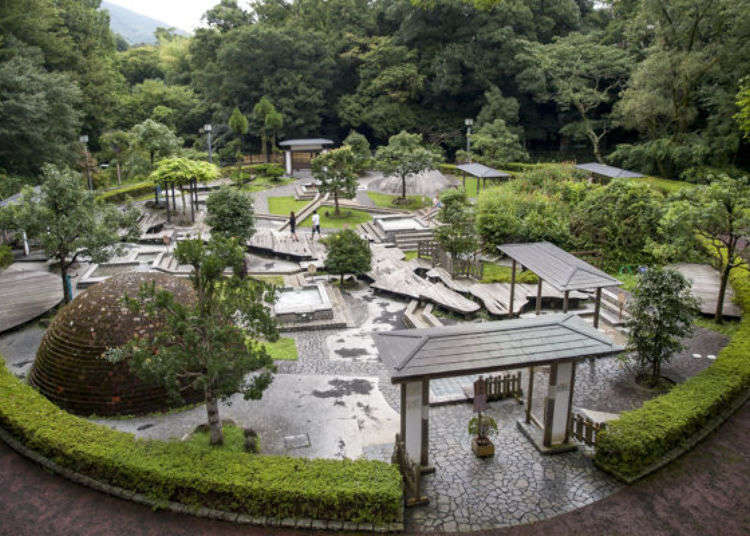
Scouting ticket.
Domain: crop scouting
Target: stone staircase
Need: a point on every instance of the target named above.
(410, 241)
(418, 316)
(613, 311)
(372, 232)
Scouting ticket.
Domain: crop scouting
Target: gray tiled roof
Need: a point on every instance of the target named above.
(609, 171)
(490, 346)
(15, 198)
(558, 267)
(482, 171)
(310, 141)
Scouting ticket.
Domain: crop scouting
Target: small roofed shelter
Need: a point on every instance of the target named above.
(605, 173)
(313, 146)
(559, 341)
(14, 200)
(482, 173)
(558, 268)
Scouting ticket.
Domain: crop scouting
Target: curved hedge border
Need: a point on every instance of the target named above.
(119, 195)
(632, 446)
(360, 491)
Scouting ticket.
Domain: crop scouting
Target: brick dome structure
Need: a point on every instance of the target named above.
(68, 369)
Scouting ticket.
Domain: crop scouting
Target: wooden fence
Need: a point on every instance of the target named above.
(411, 473)
(584, 429)
(503, 386)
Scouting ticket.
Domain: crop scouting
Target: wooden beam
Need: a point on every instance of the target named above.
(570, 400)
(529, 394)
(539, 297)
(597, 306)
(424, 461)
(566, 300)
(403, 412)
(549, 406)
(512, 287)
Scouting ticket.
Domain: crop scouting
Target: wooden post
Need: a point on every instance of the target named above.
(530, 395)
(403, 411)
(539, 297)
(512, 286)
(549, 406)
(597, 306)
(570, 400)
(565, 301)
(424, 461)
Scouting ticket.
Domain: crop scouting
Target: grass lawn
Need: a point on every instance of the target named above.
(234, 439)
(495, 273)
(386, 201)
(283, 205)
(285, 349)
(277, 280)
(264, 183)
(728, 327)
(410, 255)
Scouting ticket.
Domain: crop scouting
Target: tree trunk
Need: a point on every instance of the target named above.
(151, 156)
(336, 202)
(719, 314)
(264, 141)
(403, 186)
(67, 297)
(119, 177)
(595, 144)
(214, 423)
(656, 371)
(342, 280)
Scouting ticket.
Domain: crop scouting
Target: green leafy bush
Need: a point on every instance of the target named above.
(194, 474)
(642, 436)
(134, 190)
(272, 171)
(6, 256)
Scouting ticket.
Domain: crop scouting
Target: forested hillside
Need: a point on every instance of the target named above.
(134, 27)
(653, 85)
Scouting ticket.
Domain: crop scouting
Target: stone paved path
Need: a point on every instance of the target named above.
(703, 493)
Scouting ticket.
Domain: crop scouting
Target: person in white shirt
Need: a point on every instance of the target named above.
(315, 223)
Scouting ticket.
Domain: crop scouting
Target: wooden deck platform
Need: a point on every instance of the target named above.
(26, 295)
(706, 281)
(279, 244)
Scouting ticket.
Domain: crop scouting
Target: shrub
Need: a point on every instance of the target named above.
(642, 436)
(128, 191)
(193, 474)
(272, 171)
(448, 169)
(6, 256)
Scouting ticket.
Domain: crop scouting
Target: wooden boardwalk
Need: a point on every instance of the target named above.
(706, 281)
(25, 295)
(268, 242)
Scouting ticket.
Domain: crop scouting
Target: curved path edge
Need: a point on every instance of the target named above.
(209, 513)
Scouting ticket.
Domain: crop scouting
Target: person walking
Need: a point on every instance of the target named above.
(315, 223)
(293, 226)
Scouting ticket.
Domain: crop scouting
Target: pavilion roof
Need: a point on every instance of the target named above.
(490, 346)
(305, 141)
(16, 198)
(608, 171)
(481, 171)
(558, 267)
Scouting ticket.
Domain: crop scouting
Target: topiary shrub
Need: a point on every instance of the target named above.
(6, 256)
(120, 195)
(272, 171)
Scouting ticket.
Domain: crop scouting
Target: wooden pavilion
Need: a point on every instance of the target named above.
(559, 341)
(482, 173)
(564, 271)
(605, 173)
(313, 146)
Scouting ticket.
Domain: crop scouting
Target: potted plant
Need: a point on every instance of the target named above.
(482, 427)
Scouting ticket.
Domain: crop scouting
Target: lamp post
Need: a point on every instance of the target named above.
(468, 122)
(207, 128)
(85, 140)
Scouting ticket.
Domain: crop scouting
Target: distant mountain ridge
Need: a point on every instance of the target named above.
(134, 27)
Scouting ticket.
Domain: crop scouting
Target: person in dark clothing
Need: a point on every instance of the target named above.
(293, 226)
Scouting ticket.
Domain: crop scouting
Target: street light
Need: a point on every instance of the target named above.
(468, 122)
(207, 128)
(85, 140)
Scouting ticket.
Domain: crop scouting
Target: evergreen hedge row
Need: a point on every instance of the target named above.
(641, 437)
(130, 190)
(272, 486)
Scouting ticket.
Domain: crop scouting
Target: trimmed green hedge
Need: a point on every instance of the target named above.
(193, 474)
(642, 436)
(130, 190)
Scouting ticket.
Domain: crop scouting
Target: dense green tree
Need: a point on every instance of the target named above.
(115, 146)
(496, 143)
(140, 64)
(211, 345)
(497, 106)
(68, 222)
(180, 171)
(662, 310)
(231, 213)
(39, 114)
(347, 253)
(581, 75)
(619, 219)
(268, 123)
(405, 154)
(718, 215)
(456, 235)
(337, 172)
(743, 103)
(239, 125)
(226, 16)
(361, 149)
(156, 139)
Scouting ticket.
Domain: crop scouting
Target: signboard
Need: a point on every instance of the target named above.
(480, 395)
